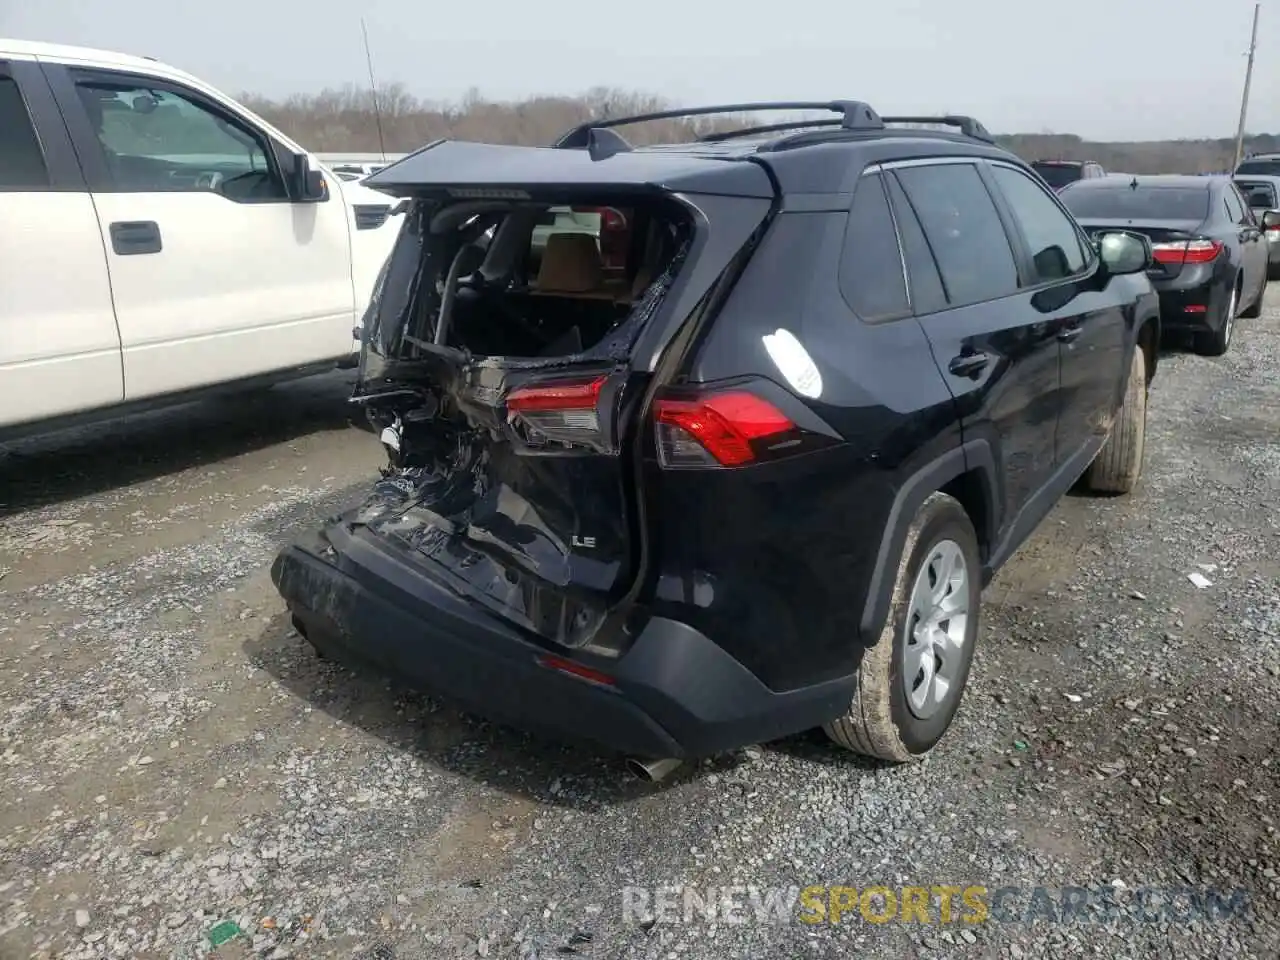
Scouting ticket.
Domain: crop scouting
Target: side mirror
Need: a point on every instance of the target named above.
(1122, 252)
(307, 184)
(1271, 220)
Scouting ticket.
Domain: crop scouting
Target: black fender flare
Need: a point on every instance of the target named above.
(974, 455)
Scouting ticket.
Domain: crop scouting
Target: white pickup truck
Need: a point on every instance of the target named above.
(158, 240)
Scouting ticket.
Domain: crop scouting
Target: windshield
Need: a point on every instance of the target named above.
(1123, 202)
(1267, 168)
(1058, 175)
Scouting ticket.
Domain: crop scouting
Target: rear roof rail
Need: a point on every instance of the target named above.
(854, 115)
(967, 126)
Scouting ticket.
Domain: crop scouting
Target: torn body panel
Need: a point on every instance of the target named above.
(497, 365)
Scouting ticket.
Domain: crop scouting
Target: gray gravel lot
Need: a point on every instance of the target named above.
(174, 758)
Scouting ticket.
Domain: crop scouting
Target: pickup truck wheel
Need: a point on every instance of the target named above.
(911, 680)
(1118, 465)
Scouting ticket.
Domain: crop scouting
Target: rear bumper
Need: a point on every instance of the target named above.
(674, 693)
(1191, 303)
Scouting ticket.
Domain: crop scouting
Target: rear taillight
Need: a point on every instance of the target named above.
(1186, 251)
(611, 218)
(727, 429)
(564, 411)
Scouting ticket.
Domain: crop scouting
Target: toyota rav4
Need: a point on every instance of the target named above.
(755, 480)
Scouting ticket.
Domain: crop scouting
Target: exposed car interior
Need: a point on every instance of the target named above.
(499, 290)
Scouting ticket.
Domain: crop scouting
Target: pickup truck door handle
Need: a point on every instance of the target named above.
(132, 237)
(1067, 334)
(969, 364)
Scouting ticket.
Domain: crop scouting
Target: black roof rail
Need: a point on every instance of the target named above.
(768, 128)
(967, 125)
(854, 115)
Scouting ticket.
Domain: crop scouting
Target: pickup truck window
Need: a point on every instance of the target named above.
(22, 164)
(156, 140)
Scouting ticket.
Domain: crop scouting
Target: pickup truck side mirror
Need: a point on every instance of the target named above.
(1271, 219)
(307, 185)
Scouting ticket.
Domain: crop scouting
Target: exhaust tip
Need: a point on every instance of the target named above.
(651, 771)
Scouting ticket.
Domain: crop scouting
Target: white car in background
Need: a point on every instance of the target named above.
(160, 240)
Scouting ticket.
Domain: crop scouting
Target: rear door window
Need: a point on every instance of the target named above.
(22, 165)
(871, 271)
(964, 231)
(1051, 237)
(1235, 206)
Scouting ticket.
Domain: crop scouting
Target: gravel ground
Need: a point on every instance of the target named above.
(175, 759)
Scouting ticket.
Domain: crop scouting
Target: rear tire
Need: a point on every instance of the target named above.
(1214, 343)
(887, 719)
(1118, 465)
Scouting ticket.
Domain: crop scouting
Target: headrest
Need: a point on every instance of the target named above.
(570, 264)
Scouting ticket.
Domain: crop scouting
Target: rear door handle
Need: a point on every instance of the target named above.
(1068, 334)
(132, 237)
(968, 364)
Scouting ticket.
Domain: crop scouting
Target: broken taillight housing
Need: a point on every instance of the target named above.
(564, 411)
(730, 428)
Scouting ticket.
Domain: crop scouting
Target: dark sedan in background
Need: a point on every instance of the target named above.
(1210, 256)
(1060, 173)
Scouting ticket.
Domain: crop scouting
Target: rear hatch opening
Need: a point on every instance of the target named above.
(496, 368)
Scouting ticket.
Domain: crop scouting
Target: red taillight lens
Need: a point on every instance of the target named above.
(572, 395)
(611, 218)
(1186, 251)
(567, 411)
(578, 670)
(718, 430)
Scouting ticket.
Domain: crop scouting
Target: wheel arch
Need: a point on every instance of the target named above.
(967, 473)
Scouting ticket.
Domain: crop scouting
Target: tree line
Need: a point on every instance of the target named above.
(340, 120)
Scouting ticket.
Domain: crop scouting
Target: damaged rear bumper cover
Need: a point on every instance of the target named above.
(674, 693)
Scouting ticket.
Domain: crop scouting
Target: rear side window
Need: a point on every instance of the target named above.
(1050, 234)
(964, 231)
(21, 159)
(927, 295)
(871, 266)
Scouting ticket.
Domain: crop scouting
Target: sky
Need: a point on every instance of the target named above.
(1103, 69)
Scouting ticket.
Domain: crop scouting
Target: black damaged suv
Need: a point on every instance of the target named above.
(736, 459)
